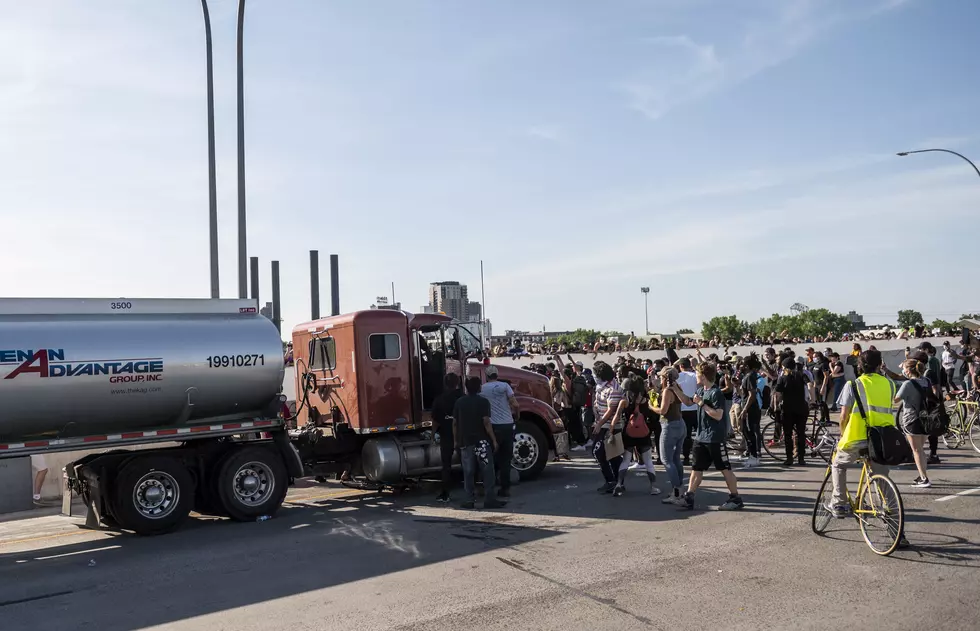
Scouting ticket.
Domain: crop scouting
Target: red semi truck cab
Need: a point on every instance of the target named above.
(366, 382)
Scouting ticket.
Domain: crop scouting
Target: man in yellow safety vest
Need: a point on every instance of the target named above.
(876, 393)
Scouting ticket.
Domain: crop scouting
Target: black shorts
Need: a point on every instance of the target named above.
(707, 454)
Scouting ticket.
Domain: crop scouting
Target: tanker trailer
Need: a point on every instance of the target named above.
(110, 373)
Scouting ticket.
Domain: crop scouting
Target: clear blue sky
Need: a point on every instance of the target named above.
(736, 156)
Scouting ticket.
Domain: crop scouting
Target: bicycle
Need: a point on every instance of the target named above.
(820, 438)
(964, 422)
(877, 506)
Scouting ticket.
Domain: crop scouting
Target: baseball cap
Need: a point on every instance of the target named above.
(926, 346)
(491, 371)
(579, 364)
(919, 356)
(789, 362)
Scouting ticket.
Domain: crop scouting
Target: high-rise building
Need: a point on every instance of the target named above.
(449, 297)
(474, 312)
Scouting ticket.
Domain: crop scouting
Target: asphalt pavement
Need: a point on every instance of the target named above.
(560, 556)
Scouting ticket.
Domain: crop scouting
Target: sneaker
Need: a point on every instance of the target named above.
(801, 463)
(840, 512)
(443, 497)
(588, 444)
(654, 490)
(686, 501)
(578, 448)
(494, 504)
(786, 463)
(607, 487)
(903, 543)
(733, 503)
(634, 466)
(934, 459)
(921, 483)
(750, 462)
(619, 490)
(467, 505)
(671, 497)
(37, 498)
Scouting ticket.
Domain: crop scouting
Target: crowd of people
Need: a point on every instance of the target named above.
(619, 344)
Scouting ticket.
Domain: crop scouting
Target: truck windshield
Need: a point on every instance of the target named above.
(471, 343)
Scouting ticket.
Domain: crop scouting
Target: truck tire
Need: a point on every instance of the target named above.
(530, 450)
(152, 495)
(251, 482)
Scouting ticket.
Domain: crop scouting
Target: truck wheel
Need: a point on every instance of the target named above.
(530, 450)
(252, 482)
(153, 495)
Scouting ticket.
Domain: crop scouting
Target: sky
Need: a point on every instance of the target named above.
(735, 156)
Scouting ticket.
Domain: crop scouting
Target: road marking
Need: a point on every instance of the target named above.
(69, 554)
(73, 533)
(331, 495)
(955, 495)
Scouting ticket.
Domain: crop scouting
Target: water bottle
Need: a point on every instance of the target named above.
(263, 518)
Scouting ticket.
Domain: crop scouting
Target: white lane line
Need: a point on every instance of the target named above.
(955, 495)
(68, 554)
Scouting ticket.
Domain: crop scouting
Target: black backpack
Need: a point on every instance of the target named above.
(932, 412)
(580, 391)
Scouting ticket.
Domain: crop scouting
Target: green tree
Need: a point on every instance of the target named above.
(582, 336)
(970, 316)
(816, 322)
(775, 324)
(725, 327)
(684, 331)
(908, 317)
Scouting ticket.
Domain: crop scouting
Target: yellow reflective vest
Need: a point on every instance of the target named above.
(876, 393)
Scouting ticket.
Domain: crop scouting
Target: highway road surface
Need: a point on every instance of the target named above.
(559, 557)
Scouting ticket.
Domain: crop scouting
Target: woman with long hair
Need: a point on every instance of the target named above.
(673, 434)
(912, 395)
(608, 446)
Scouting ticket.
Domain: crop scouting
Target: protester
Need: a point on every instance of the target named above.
(476, 439)
(673, 435)
(443, 409)
(865, 401)
(688, 382)
(40, 467)
(912, 396)
(636, 434)
(504, 411)
(837, 379)
(790, 397)
(709, 446)
(608, 447)
(750, 412)
(934, 374)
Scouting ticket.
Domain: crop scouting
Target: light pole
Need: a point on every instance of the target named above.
(242, 249)
(646, 307)
(212, 183)
(959, 155)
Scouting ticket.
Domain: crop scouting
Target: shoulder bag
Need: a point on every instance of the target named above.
(887, 444)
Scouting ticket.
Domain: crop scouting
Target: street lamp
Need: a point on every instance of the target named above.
(959, 155)
(646, 307)
(242, 251)
(212, 183)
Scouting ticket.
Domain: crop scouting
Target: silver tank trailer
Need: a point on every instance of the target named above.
(73, 367)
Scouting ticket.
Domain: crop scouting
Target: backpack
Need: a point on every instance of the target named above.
(932, 413)
(886, 443)
(580, 391)
(636, 427)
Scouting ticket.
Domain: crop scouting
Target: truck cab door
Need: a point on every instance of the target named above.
(455, 358)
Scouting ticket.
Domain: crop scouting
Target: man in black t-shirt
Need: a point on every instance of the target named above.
(790, 396)
(442, 418)
(477, 443)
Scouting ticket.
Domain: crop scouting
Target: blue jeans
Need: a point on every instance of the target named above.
(671, 446)
(838, 388)
(471, 464)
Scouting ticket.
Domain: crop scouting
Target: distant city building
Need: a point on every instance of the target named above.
(266, 310)
(857, 320)
(426, 309)
(474, 312)
(381, 302)
(449, 297)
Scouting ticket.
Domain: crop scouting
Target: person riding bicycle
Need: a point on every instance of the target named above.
(876, 393)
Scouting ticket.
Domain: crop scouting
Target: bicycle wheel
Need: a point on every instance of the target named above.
(881, 515)
(823, 444)
(953, 438)
(973, 431)
(821, 514)
(770, 441)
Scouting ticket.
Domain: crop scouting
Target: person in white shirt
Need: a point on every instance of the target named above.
(949, 358)
(504, 410)
(687, 379)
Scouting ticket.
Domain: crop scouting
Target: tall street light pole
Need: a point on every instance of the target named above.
(212, 181)
(646, 307)
(959, 155)
(242, 246)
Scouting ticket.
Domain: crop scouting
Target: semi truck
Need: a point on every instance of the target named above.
(365, 386)
(182, 401)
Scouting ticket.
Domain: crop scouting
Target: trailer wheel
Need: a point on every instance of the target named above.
(153, 495)
(252, 482)
(530, 450)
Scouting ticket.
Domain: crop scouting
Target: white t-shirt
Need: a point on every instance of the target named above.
(498, 393)
(948, 360)
(688, 382)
